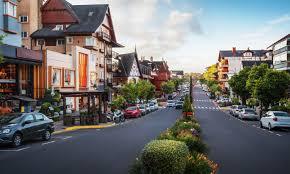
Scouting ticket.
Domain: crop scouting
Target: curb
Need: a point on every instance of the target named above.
(75, 128)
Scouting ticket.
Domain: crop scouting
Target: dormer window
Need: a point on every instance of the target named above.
(58, 28)
(248, 54)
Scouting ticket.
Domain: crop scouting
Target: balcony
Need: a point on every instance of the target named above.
(104, 36)
(110, 82)
(282, 65)
(109, 53)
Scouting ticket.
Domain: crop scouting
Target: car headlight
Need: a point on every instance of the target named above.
(6, 131)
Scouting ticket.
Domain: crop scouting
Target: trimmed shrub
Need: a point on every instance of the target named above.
(165, 157)
(166, 135)
(198, 164)
(181, 125)
(194, 144)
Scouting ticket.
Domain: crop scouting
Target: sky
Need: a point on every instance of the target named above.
(188, 34)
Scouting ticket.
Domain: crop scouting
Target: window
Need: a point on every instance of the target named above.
(69, 40)
(24, 34)
(23, 19)
(90, 41)
(40, 42)
(39, 117)
(29, 118)
(60, 42)
(10, 9)
(58, 27)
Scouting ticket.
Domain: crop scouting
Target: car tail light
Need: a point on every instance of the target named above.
(275, 119)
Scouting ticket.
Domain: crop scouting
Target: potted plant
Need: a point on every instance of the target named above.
(187, 107)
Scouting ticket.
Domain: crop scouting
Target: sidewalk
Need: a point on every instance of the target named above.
(60, 128)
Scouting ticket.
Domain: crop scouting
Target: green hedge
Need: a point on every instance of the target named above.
(165, 157)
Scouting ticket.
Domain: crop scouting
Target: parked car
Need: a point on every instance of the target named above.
(153, 106)
(116, 116)
(275, 119)
(247, 113)
(143, 109)
(133, 112)
(179, 105)
(18, 127)
(148, 107)
(236, 109)
(170, 103)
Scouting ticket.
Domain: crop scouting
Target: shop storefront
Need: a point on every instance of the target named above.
(20, 82)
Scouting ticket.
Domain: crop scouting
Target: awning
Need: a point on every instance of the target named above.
(23, 98)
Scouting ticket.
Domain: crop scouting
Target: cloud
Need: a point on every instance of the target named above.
(281, 19)
(154, 31)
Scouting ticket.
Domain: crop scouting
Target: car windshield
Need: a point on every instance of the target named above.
(132, 108)
(250, 111)
(142, 106)
(281, 114)
(10, 119)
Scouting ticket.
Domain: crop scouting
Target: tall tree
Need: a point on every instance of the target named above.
(167, 87)
(272, 87)
(130, 92)
(256, 73)
(210, 73)
(145, 90)
(238, 84)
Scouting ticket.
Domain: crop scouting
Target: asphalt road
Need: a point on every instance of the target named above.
(106, 151)
(241, 147)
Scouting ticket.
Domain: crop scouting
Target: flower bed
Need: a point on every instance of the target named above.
(184, 135)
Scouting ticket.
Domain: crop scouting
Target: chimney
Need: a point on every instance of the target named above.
(151, 59)
(234, 51)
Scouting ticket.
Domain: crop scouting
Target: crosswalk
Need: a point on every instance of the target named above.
(207, 108)
(196, 100)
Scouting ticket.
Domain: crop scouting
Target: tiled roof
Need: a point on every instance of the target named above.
(47, 32)
(239, 53)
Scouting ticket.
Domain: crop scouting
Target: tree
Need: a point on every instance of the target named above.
(145, 90)
(167, 87)
(256, 73)
(1, 43)
(129, 92)
(177, 82)
(210, 73)
(118, 103)
(238, 83)
(272, 87)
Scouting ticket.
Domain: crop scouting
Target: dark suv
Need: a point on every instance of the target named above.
(18, 127)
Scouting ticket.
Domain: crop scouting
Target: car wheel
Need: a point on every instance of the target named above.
(17, 140)
(261, 125)
(270, 127)
(123, 119)
(47, 135)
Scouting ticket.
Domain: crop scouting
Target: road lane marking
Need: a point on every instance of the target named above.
(271, 132)
(15, 150)
(50, 142)
(65, 138)
(279, 135)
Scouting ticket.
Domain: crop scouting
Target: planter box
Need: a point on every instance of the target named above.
(187, 114)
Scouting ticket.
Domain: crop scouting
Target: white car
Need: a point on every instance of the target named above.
(247, 113)
(170, 103)
(275, 119)
(153, 106)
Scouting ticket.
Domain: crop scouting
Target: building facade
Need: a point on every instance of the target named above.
(281, 53)
(233, 61)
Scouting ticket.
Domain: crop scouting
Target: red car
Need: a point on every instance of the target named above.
(132, 112)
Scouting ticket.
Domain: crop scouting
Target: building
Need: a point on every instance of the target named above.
(21, 70)
(128, 69)
(177, 74)
(281, 53)
(30, 18)
(161, 69)
(233, 61)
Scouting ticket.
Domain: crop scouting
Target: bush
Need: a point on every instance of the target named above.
(187, 107)
(198, 164)
(166, 135)
(193, 143)
(165, 157)
(44, 108)
(181, 125)
(235, 101)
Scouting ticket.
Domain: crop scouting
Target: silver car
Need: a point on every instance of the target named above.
(247, 113)
(236, 109)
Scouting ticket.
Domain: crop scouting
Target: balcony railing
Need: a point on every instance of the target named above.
(282, 65)
(104, 36)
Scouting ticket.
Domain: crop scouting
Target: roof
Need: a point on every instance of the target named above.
(280, 40)
(239, 53)
(178, 72)
(161, 65)
(88, 23)
(47, 32)
(252, 63)
(125, 64)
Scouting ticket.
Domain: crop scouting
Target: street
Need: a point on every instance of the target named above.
(107, 151)
(241, 147)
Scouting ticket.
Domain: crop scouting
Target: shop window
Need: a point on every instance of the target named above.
(7, 78)
(69, 78)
